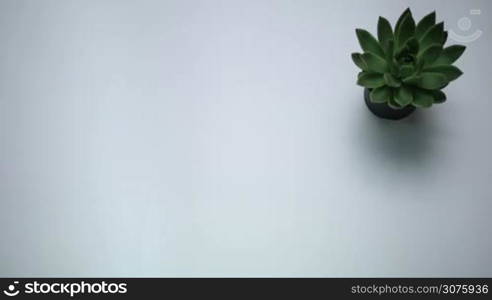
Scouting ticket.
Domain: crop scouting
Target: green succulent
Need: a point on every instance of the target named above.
(408, 65)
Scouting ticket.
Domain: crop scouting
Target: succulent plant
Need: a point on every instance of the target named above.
(408, 65)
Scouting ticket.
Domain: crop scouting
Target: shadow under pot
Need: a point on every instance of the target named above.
(384, 111)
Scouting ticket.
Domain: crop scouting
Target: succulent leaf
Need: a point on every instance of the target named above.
(425, 24)
(434, 35)
(368, 43)
(450, 54)
(374, 63)
(405, 31)
(390, 57)
(422, 98)
(393, 104)
(451, 72)
(432, 80)
(391, 81)
(439, 96)
(359, 62)
(371, 80)
(404, 96)
(401, 18)
(419, 66)
(412, 45)
(412, 80)
(385, 32)
(444, 38)
(381, 94)
(430, 54)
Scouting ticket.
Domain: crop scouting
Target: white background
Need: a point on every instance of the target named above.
(228, 138)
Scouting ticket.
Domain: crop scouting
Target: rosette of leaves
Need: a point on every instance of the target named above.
(407, 65)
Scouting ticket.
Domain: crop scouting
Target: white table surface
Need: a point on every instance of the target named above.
(228, 138)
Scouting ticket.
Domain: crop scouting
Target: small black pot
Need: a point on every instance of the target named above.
(383, 110)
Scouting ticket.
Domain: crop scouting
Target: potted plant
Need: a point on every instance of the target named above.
(405, 67)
